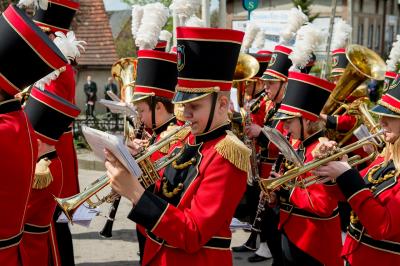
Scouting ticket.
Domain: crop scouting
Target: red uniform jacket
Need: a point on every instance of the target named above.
(38, 244)
(375, 238)
(190, 226)
(309, 217)
(64, 86)
(17, 159)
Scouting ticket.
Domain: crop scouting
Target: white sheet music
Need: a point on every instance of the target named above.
(119, 107)
(82, 216)
(99, 140)
(113, 96)
(234, 99)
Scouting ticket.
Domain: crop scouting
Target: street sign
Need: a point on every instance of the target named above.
(250, 5)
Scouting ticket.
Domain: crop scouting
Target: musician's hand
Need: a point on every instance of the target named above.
(136, 145)
(332, 169)
(369, 148)
(324, 148)
(253, 131)
(121, 181)
(272, 198)
(274, 174)
(323, 117)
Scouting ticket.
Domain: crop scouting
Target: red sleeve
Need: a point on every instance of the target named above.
(212, 206)
(342, 123)
(259, 116)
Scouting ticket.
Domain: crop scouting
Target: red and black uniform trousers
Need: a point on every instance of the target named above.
(309, 217)
(187, 218)
(17, 159)
(64, 86)
(373, 236)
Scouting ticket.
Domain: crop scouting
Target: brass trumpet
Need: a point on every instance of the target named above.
(270, 185)
(150, 175)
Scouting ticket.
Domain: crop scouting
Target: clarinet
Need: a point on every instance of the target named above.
(106, 232)
(255, 106)
(256, 226)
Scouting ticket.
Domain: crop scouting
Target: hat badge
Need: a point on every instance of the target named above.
(180, 50)
(335, 61)
(273, 60)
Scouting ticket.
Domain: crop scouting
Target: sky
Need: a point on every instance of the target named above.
(112, 5)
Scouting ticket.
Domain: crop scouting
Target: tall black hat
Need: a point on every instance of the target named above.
(305, 96)
(156, 75)
(207, 59)
(279, 64)
(339, 62)
(389, 83)
(23, 44)
(263, 57)
(57, 17)
(389, 104)
(49, 114)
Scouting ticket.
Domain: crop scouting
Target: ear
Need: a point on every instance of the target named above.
(159, 106)
(224, 102)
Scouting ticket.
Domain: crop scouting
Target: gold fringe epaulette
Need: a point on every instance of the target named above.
(234, 150)
(43, 177)
(181, 135)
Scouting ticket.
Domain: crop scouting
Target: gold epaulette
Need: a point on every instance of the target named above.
(181, 135)
(43, 177)
(232, 149)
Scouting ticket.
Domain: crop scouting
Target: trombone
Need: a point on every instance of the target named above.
(285, 181)
(150, 175)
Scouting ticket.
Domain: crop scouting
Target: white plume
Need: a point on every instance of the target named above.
(249, 36)
(50, 77)
(394, 55)
(341, 33)
(259, 41)
(194, 21)
(155, 16)
(184, 9)
(42, 4)
(307, 39)
(165, 36)
(296, 19)
(137, 14)
(69, 45)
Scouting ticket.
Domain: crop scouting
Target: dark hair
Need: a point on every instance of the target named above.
(166, 102)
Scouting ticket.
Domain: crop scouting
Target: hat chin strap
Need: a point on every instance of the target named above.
(153, 112)
(301, 128)
(214, 96)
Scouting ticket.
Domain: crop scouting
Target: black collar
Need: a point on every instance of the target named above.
(163, 127)
(49, 155)
(10, 106)
(308, 141)
(212, 134)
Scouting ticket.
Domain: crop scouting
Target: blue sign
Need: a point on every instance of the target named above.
(250, 5)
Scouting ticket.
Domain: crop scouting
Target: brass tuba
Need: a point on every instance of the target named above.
(150, 175)
(124, 72)
(363, 64)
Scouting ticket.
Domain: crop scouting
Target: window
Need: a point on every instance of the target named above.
(378, 37)
(360, 5)
(377, 6)
(360, 37)
(370, 35)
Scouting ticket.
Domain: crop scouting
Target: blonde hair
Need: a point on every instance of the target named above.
(392, 151)
(314, 127)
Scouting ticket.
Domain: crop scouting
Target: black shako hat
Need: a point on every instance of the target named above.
(339, 62)
(57, 17)
(24, 44)
(263, 57)
(305, 96)
(156, 75)
(207, 59)
(279, 64)
(389, 104)
(49, 114)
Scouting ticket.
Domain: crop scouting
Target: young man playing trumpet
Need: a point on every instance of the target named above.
(373, 194)
(187, 217)
(308, 216)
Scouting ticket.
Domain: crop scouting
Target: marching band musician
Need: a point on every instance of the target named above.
(373, 234)
(275, 77)
(187, 217)
(308, 216)
(50, 116)
(22, 41)
(64, 86)
(156, 79)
